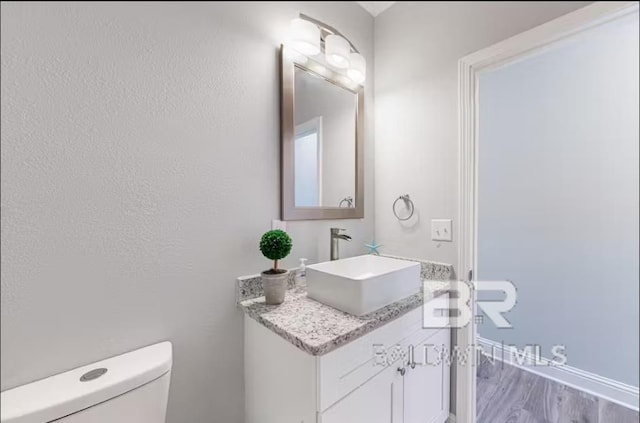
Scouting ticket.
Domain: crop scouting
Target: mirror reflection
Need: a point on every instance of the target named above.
(325, 142)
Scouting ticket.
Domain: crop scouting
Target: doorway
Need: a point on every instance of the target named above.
(549, 204)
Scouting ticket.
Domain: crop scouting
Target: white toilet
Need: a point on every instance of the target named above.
(129, 388)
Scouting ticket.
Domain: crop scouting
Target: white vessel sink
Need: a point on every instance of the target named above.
(360, 285)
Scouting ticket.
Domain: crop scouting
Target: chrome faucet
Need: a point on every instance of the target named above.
(335, 237)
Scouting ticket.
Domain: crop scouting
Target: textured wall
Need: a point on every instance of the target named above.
(417, 48)
(140, 149)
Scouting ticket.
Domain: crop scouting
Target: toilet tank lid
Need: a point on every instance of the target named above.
(65, 393)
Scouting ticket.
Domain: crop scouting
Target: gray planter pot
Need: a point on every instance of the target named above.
(275, 286)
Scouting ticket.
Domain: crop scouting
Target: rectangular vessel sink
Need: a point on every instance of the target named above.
(362, 284)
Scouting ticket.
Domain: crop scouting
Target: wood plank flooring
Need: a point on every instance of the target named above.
(506, 394)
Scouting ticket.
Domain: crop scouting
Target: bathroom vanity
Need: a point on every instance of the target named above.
(308, 362)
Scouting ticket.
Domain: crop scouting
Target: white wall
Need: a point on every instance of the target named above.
(558, 198)
(140, 150)
(417, 47)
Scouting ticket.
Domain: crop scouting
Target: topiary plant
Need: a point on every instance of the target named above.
(275, 245)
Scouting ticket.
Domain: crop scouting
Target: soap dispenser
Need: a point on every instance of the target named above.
(301, 274)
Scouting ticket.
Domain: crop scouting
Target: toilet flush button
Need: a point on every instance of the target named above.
(93, 374)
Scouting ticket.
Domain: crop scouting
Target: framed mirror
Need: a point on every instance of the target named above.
(322, 141)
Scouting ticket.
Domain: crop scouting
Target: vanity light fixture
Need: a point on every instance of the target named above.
(311, 37)
(337, 51)
(305, 37)
(357, 68)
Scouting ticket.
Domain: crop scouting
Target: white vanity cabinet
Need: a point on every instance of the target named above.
(284, 384)
(426, 388)
(379, 400)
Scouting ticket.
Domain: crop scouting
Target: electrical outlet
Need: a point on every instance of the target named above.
(441, 230)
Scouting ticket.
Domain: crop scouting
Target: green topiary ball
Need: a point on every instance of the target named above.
(275, 244)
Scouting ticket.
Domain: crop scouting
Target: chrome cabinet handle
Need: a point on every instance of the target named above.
(402, 371)
(411, 362)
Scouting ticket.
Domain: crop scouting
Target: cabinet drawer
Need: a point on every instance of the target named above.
(346, 368)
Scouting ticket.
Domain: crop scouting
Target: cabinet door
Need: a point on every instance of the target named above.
(379, 400)
(426, 387)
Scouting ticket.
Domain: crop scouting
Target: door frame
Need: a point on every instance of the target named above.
(470, 68)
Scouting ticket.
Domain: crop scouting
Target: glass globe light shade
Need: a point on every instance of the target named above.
(357, 68)
(337, 51)
(305, 37)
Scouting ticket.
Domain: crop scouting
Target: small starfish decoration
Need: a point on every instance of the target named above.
(373, 247)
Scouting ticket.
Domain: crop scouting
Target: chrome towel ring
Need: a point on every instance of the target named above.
(408, 203)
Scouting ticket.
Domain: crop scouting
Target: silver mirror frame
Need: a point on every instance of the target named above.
(287, 136)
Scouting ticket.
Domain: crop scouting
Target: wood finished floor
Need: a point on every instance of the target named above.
(506, 394)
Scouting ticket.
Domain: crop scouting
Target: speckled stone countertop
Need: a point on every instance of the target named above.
(317, 328)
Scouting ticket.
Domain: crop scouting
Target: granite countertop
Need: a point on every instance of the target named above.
(317, 328)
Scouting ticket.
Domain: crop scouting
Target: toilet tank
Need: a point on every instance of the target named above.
(129, 388)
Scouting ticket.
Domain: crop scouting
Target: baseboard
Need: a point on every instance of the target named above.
(609, 389)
